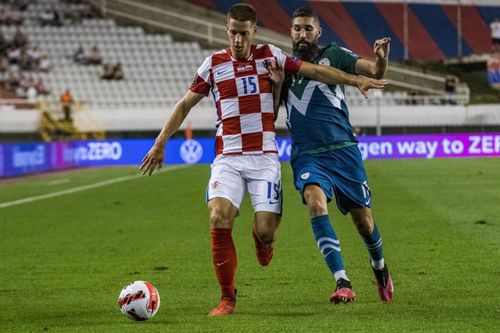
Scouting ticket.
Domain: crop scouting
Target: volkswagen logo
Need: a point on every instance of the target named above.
(191, 151)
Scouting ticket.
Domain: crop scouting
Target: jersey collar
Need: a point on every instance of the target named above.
(250, 57)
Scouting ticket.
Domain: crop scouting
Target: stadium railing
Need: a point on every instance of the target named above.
(52, 127)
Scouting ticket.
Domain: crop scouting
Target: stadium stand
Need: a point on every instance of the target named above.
(327, 34)
(432, 28)
(205, 3)
(488, 13)
(158, 69)
(375, 27)
(420, 44)
(148, 60)
(272, 15)
(474, 30)
(338, 18)
(441, 30)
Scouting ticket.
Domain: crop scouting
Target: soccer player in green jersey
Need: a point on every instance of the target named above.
(326, 160)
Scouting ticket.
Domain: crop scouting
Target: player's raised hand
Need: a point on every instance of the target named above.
(364, 84)
(153, 159)
(382, 47)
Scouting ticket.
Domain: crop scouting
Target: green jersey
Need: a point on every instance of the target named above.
(317, 114)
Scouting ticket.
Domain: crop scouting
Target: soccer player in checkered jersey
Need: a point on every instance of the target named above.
(246, 154)
(326, 160)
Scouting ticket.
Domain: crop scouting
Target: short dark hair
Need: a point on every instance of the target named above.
(305, 12)
(242, 12)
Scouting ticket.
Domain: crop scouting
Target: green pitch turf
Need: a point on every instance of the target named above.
(64, 259)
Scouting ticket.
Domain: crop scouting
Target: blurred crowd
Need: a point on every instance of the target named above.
(19, 60)
(22, 61)
(94, 57)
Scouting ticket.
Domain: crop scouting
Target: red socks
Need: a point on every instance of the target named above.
(225, 260)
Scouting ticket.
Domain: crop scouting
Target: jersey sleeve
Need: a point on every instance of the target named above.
(342, 58)
(291, 65)
(202, 82)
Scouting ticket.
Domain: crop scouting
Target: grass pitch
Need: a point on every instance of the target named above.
(66, 258)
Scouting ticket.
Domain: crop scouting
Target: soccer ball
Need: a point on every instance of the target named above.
(139, 300)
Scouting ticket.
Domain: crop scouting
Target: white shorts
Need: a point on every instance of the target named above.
(233, 175)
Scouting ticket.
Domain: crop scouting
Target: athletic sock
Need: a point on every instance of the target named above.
(225, 260)
(340, 275)
(373, 243)
(329, 245)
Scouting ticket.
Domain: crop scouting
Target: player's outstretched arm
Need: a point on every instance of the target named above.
(376, 69)
(154, 158)
(332, 75)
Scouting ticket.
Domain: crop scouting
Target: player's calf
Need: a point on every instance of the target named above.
(263, 251)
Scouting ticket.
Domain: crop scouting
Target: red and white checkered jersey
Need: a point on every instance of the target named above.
(243, 98)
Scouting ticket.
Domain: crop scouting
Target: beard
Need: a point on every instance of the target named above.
(305, 50)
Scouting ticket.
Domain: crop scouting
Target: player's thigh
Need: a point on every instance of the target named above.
(349, 179)
(263, 176)
(308, 171)
(316, 200)
(226, 181)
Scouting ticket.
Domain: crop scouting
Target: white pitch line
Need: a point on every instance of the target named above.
(82, 188)
(57, 182)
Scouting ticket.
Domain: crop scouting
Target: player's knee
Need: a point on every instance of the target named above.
(218, 219)
(317, 207)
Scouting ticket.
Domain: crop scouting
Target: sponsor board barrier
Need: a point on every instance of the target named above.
(26, 158)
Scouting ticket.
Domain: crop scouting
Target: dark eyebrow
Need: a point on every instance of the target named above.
(303, 25)
(244, 32)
